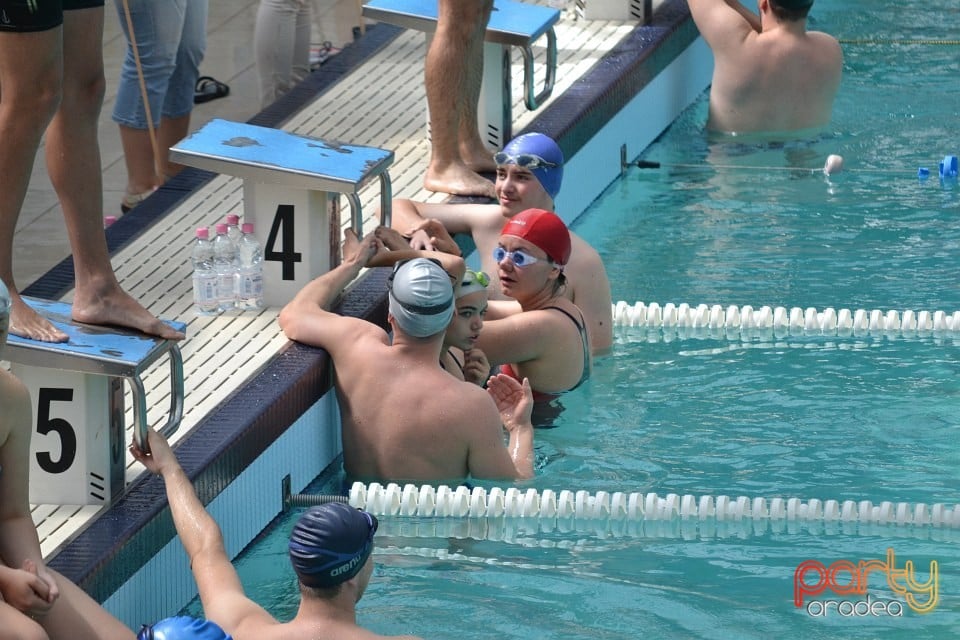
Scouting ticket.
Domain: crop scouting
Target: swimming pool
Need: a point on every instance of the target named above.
(843, 417)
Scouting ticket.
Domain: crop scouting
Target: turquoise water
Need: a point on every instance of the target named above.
(870, 417)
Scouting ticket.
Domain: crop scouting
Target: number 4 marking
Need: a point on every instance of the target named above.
(282, 226)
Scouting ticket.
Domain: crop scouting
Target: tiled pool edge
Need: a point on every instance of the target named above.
(252, 429)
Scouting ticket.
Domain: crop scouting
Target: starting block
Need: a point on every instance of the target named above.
(512, 24)
(291, 188)
(76, 389)
(639, 10)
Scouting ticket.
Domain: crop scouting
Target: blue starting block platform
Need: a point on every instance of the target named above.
(76, 388)
(512, 24)
(291, 185)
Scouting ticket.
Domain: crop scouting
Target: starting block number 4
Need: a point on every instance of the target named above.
(291, 191)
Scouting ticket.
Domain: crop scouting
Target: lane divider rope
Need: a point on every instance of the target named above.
(462, 502)
(829, 321)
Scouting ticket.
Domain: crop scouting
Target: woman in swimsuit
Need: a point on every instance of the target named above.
(541, 336)
(461, 357)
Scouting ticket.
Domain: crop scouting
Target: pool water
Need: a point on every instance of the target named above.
(856, 417)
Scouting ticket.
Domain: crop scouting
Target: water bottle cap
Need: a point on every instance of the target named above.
(233, 218)
(221, 227)
(203, 232)
(247, 227)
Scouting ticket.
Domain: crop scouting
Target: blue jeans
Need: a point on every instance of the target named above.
(171, 37)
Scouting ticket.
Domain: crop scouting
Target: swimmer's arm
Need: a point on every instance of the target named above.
(752, 19)
(723, 24)
(308, 319)
(407, 215)
(499, 309)
(218, 584)
(453, 265)
(18, 534)
(591, 292)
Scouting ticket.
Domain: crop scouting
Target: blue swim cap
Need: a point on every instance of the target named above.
(330, 543)
(182, 628)
(539, 146)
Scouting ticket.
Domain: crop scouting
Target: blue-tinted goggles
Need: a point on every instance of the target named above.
(518, 257)
(525, 160)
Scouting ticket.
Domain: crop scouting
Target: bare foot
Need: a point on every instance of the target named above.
(115, 307)
(479, 160)
(457, 179)
(27, 323)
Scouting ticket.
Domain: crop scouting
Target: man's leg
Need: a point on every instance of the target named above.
(30, 75)
(473, 151)
(73, 162)
(447, 75)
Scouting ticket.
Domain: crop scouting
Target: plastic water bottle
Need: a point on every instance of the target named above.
(204, 275)
(233, 227)
(250, 271)
(225, 263)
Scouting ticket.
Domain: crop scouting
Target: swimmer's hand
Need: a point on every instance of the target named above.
(357, 251)
(434, 236)
(159, 458)
(25, 590)
(391, 238)
(476, 367)
(514, 401)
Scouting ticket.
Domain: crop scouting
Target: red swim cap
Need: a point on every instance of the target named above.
(544, 229)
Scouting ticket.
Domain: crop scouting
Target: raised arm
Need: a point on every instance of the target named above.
(395, 252)
(221, 591)
(308, 319)
(408, 216)
(723, 23)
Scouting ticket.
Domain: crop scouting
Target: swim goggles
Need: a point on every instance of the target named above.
(480, 277)
(518, 257)
(525, 160)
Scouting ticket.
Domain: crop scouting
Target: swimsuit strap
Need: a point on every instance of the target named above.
(584, 341)
(455, 361)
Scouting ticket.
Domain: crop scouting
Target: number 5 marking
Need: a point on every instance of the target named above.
(46, 424)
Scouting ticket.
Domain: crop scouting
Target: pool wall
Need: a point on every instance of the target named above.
(284, 422)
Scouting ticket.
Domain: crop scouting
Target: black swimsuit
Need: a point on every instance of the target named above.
(544, 396)
(454, 358)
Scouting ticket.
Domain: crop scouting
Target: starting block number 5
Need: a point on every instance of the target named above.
(76, 451)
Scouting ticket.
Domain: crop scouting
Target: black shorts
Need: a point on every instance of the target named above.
(24, 16)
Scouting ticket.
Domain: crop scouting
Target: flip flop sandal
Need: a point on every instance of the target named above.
(321, 53)
(208, 89)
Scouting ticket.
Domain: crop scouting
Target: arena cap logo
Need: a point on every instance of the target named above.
(845, 578)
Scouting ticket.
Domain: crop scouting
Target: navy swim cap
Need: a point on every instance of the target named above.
(796, 5)
(539, 146)
(330, 544)
(182, 628)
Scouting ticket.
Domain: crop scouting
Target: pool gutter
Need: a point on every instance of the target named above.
(639, 87)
